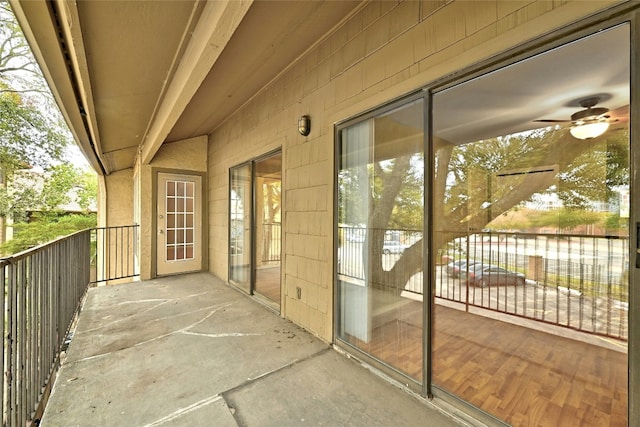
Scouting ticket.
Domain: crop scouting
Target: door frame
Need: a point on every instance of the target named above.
(249, 289)
(203, 235)
(252, 225)
(615, 15)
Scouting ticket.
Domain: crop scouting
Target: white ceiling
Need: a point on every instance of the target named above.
(546, 86)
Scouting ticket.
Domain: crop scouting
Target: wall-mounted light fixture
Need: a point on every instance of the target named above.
(304, 125)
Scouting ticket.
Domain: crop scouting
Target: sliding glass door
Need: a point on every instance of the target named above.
(255, 226)
(267, 226)
(379, 254)
(521, 310)
(531, 208)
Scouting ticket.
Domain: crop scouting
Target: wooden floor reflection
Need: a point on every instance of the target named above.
(268, 283)
(521, 375)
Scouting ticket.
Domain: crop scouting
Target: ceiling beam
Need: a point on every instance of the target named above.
(215, 28)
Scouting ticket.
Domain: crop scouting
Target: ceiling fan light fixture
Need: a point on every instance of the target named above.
(589, 130)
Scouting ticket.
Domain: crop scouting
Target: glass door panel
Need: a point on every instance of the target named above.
(240, 227)
(380, 223)
(531, 311)
(267, 231)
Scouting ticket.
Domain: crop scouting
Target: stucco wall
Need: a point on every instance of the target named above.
(385, 50)
(118, 191)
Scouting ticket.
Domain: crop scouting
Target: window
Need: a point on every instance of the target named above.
(179, 223)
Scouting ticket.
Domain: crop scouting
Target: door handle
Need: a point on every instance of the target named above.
(161, 231)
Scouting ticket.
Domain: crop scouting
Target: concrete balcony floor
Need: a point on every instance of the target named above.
(191, 351)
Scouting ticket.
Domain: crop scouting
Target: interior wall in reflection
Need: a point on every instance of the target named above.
(240, 199)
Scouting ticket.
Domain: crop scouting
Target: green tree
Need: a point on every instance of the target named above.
(47, 193)
(565, 218)
(27, 136)
(32, 132)
(478, 182)
(87, 191)
(38, 232)
(17, 64)
(35, 201)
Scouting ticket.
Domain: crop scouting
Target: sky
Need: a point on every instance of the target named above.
(75, 156)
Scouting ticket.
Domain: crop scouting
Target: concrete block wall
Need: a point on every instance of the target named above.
(384, 50)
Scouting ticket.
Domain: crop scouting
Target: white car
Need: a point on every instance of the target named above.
(393, 247)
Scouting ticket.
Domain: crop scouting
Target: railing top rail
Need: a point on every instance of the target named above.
(28, 252)
(355, 227)
(526, 234)
(111, 227)
(463, 233)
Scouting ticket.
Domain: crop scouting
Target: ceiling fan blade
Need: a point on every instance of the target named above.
(551, 121)
(619, 114)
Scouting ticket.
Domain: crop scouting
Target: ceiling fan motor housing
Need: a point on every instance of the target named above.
(589, 114)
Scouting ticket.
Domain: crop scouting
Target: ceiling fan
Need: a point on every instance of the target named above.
(588, 123)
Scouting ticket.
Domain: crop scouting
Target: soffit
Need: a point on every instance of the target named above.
(272, 35)
(117, 84)
(131, 49)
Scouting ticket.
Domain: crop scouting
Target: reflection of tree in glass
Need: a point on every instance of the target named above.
(476, 183)
(485, 179)
(272, 191)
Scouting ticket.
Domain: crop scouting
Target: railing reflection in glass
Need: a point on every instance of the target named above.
(574, 281)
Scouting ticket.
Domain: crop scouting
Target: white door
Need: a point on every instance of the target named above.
(179, 223)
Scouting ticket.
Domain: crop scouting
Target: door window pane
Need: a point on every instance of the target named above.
(380, 215)
(179, 218)
(544, 342)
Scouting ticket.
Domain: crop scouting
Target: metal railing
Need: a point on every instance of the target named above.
(573, 281)
(43, 288)
(114, 252)
(43, 292)
(271, 242)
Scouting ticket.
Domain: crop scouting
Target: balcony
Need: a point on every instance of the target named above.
(180, 350)
(190, 349)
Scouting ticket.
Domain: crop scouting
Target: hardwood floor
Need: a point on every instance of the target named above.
(268, 283)
(523, 376)
(397, 339)
(528, 377)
